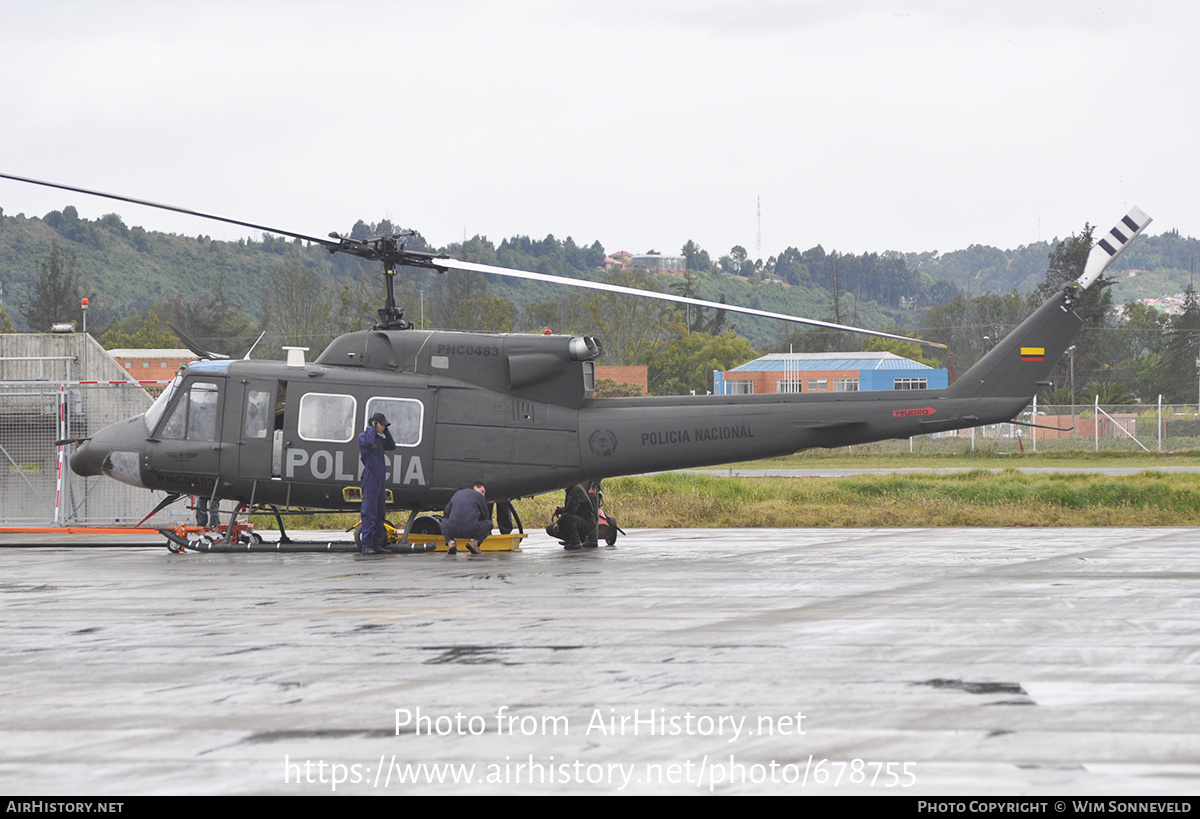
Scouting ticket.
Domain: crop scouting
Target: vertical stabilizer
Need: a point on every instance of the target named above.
(1020, 363)
(1023, 359)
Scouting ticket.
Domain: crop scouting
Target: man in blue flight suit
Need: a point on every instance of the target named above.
(372, 443)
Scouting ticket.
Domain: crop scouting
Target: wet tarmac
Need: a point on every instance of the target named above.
(821, 472)
(916, 661)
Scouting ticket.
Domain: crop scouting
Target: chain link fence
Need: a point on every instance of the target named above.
(1082, 427)
(37, 487)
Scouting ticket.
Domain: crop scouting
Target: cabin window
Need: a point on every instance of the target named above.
(326, 417)
(404, 415)
(195, 415)
(258, 414)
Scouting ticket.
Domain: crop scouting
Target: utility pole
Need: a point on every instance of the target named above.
(758, 212)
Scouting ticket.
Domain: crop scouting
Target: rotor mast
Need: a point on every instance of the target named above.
(390, 251)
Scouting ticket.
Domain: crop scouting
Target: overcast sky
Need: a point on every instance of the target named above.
(642, 123)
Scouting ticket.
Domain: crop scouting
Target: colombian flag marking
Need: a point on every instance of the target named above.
(1033, 353)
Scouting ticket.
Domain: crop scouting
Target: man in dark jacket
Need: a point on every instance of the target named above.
(576, 518)
(372, 443)
(466, 516)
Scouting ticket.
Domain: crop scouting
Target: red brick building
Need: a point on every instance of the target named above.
(151, 365)
(636, 375)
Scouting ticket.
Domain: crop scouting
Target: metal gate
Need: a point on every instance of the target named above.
(37, 487)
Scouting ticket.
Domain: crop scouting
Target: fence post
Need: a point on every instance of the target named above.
(60, 454)
(1033, 429)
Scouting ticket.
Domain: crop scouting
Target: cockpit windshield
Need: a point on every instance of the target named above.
(154, 414)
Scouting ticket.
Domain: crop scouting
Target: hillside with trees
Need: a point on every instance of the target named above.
(223, 294)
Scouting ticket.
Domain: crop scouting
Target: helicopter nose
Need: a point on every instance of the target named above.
(115, 451)
(86, 460)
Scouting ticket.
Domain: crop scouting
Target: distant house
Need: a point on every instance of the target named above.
(658, 263)
(827, 373)
(617, 261)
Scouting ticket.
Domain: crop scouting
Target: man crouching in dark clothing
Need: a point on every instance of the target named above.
(466, 516)
(576, 518)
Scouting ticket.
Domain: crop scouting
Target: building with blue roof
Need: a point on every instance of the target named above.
(828, 372)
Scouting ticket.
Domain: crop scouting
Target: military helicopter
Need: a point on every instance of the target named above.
(514, 411)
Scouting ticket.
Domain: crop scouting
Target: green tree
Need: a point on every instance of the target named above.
(55, 294)
(905, 349)
(461, 301)
(697, 259)
(1055, 396)
(686, 362)
(632, 328)
(738, 258)
(216, 323)
(969, 327)
(70, 226)
(1181, 351)
(798, 338)
(542, 315)
(699, 319)
(607, 388)
(6, 325)
(1140, 340)
(1107, 392)
(1094, 353)
(1066, 264)
(789, 265)
(300, 308)
(146, 330)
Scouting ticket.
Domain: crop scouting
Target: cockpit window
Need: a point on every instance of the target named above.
(154, 414)
(202, 416)
(194, 416)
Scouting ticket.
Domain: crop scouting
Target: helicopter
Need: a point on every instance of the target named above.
(516, 412)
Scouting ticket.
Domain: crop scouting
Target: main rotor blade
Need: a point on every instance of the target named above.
(438, 261)
(160, 206)
(650, 294)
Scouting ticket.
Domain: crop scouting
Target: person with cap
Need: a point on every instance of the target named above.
(467, 516)
(375, 440)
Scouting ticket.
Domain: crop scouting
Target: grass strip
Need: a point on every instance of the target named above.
(677, 500)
